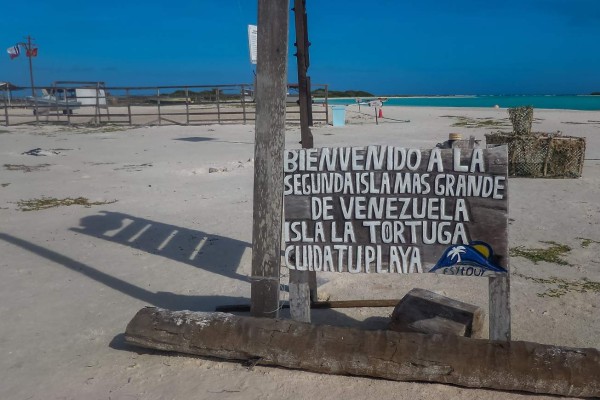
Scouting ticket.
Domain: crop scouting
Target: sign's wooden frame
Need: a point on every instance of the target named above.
(486, 214)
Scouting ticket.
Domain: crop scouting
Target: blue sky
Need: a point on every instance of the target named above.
(382, 46)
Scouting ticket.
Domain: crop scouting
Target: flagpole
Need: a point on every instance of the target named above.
(28, 54)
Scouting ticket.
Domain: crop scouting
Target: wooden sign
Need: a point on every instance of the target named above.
(384, 209)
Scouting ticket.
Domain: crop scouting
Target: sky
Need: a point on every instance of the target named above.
(382, 46)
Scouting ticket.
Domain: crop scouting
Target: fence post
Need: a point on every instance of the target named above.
(326, 104)
(158, 104)
(218, 105)
(6, 91)
(106, 101)
(187, 107)
(244, 103)
(98, 105)
(56, 104)
(35, 104)
(127, 97)
(68, 109)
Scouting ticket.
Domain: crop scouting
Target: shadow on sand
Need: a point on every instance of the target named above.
(214, 253)
(196, 139)
(167, 300)
(199, 249)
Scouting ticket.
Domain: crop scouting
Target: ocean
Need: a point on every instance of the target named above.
(561, 102)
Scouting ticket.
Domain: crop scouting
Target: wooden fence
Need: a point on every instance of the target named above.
(157, 105)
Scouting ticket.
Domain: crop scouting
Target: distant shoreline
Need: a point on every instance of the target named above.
(552, 102)
(389, 96)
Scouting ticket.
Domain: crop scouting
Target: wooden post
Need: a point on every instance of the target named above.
(271, 87)
(302, 62)
(56, 104)
(128, 105)
(300, 295)
(581, 158)
(187, 107)
(303, 284)
(309, 101)
(243, 91)
(158, 104)
(6, 91)
(499, 292)
(326, 104)
(499, 298)
(218, 105)
(98, 104)
(68, 109)
(106, 101)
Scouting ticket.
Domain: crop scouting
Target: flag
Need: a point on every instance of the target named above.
(32, 52)
(13, 51)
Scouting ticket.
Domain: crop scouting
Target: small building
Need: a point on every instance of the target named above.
(85, 93)
(5, 91)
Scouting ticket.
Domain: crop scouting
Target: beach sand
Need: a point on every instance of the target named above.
(172, 228)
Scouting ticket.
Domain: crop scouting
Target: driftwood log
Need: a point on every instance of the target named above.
(521, 366)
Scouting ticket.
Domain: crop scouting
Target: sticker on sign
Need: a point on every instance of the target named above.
(252, 41)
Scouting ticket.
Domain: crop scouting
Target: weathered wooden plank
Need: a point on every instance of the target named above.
(520, 366)
(424, 311)
(499, 304)
(299, 296)
(271, 87)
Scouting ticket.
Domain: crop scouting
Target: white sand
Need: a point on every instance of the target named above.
(72, 277)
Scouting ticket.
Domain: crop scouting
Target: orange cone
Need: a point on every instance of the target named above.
(380, 113)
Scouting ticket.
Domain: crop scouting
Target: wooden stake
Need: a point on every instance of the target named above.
(303, 284)
(499, 305)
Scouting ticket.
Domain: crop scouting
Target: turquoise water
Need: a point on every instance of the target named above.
(553, 102)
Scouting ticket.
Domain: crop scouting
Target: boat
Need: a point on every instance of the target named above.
(48, 102)
(67, 96)
(372, 101)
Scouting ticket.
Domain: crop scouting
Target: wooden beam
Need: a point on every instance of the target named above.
(320, 305)
(520, 366)
(271, 87)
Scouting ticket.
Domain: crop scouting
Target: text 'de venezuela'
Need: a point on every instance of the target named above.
(385, 209)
